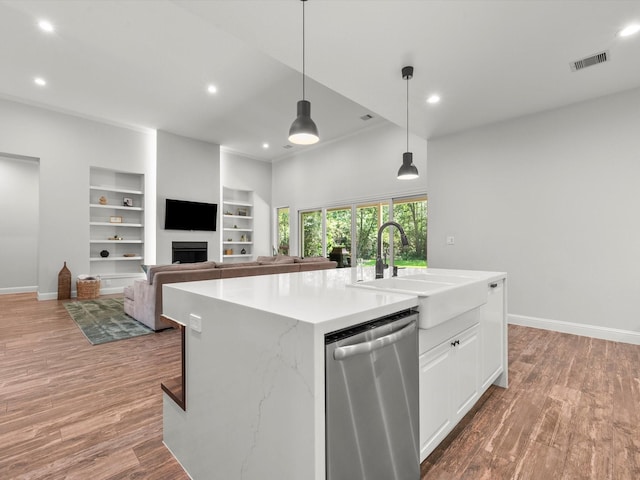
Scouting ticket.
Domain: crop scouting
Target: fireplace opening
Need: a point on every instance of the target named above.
(188, 252)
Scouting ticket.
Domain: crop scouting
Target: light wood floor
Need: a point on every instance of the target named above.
(69, 410)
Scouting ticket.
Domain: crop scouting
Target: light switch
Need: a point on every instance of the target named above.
(195, 323)
(451, 240)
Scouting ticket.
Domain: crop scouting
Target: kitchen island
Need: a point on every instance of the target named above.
(254, 369)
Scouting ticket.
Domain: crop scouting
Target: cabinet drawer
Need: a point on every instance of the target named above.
(435, 336)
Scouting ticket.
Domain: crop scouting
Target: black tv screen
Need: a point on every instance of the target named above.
(185, 215)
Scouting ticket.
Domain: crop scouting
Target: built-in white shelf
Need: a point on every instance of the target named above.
(114, 224)
(115, 242)
(114, 259)
(107, 188)
(237, 223)
(237, 203)
(108, 192)
(116, 207)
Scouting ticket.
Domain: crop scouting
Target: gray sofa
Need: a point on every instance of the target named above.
(143, 299)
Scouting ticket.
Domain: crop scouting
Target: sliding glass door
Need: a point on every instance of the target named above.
(323, 230)
(311, 233)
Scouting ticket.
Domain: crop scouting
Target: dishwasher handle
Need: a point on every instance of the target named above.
(347, 351)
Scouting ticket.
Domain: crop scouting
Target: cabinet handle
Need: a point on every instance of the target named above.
(493, 285)
(455, 342)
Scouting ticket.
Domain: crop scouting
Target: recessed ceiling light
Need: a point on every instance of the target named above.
(40, 81)
(212, 88)
(433, 99)
(46, 26)
(629, 30)
(265, 145)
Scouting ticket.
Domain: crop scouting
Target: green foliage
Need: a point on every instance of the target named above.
(338, 229)
(283, 230)
(413, 218)
(411, 214)
(312, 234)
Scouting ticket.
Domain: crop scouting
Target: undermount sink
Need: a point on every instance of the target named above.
(440, 297)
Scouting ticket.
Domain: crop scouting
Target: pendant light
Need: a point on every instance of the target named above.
(408, 170)
(303, 130)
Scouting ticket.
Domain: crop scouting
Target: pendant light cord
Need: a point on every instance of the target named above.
(303, 74)
(407, 113)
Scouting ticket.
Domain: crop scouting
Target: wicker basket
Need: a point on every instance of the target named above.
(88, 288)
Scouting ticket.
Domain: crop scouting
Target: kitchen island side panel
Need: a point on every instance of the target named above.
(252, 393)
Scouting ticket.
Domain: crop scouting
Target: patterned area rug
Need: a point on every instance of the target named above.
(104, 320)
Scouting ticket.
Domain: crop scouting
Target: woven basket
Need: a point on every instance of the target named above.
(88, 288)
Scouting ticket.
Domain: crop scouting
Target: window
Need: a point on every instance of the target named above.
(311, 233)
(338, 227)
(283, 230)
(323, 229)
(369, 217)
(412, 215)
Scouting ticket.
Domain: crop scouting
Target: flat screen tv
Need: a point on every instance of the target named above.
(185, 215)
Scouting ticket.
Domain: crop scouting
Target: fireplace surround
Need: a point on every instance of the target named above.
(189, 252)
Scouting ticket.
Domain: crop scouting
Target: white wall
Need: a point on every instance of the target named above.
(358, 168)
(187, 169)
(552, 199)
(67, 146)
(244, 173)
(19, 213)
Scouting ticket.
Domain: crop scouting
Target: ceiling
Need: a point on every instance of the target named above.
(146, 64)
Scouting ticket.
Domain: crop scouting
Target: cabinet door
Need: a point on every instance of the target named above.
(467, 368)
(435, 397)
(492, 334)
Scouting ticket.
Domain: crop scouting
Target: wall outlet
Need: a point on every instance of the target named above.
(451, 240)
(195, 323)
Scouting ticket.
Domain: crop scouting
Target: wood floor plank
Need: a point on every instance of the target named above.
(557, 420)
(70, 410)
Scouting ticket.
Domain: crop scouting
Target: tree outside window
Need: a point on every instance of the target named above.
(283, 230)
(410, 213)
(311, 228)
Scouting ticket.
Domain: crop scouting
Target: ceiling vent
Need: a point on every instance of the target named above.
(366, 117)
(591, 60)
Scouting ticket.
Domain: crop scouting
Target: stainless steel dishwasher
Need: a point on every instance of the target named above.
(371, 384)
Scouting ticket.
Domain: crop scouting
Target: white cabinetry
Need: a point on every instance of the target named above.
(116, 223)
(492, 335)
(459, 360)
(237, 224)
(448, 386)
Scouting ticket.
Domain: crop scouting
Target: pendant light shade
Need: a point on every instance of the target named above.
(303, 130)
(408, 170)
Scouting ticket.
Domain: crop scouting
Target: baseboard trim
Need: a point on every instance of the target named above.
(594, 331)
(10, 290)
(74, 294)
(48, 296)
(110, 290)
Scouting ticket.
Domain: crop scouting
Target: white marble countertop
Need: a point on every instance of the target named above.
(320, 298)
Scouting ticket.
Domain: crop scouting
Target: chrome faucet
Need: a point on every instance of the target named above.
(380, 266)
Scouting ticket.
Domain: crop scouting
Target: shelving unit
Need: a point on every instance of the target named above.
(115, 227)
(237, 224)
